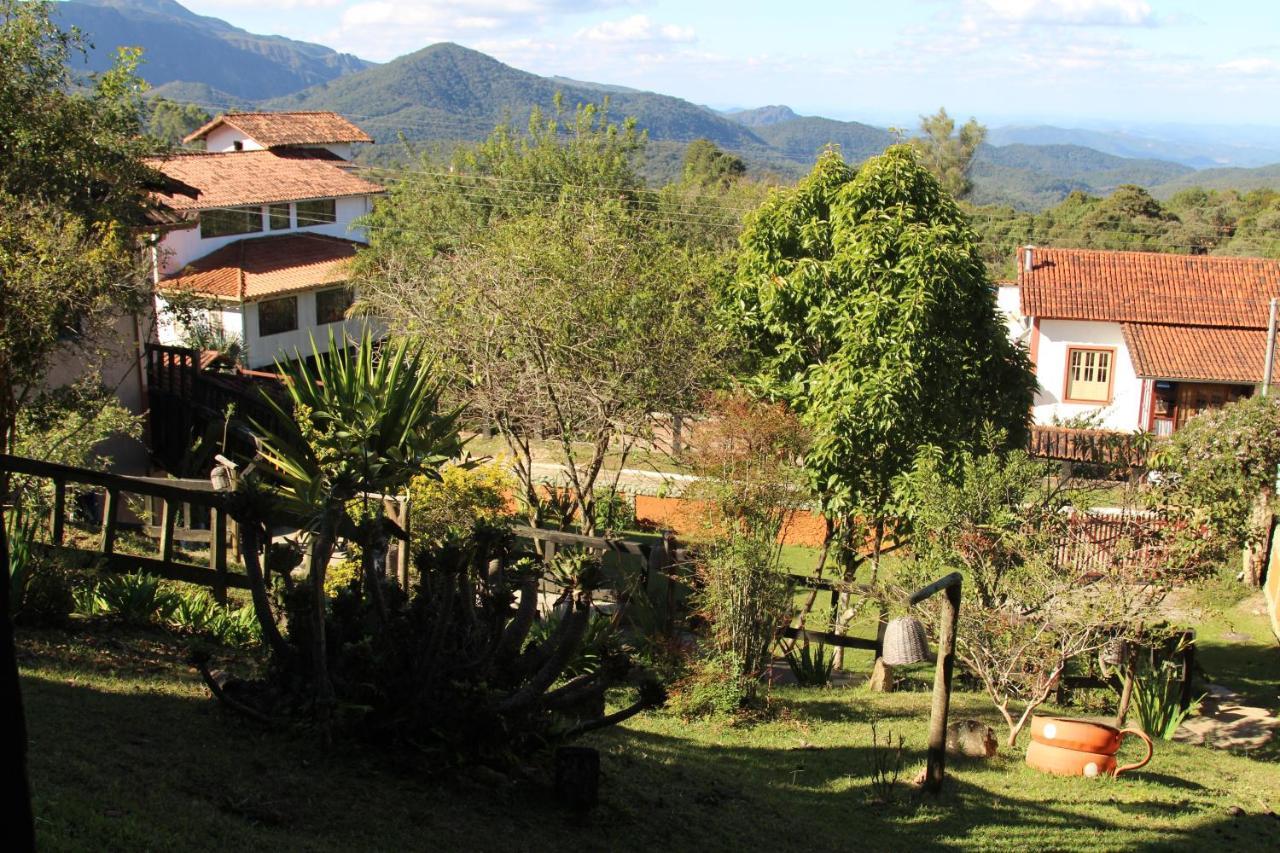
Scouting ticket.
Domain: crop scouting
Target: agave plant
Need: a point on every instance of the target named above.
(358, 421)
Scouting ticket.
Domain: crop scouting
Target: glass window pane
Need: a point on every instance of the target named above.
(277, 315)
(318, 212)
(332, 305)
(278, 214)
(223, 223)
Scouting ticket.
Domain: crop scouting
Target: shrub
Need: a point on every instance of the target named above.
(714, 687)
(136, 599)
(811, 665)
(462, 498)
(1157, 701)
(744, 598)
(614, 512)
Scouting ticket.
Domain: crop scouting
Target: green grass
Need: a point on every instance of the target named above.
(127, 752)
(1234, 643)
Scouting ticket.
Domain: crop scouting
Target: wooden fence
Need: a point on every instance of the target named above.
(1098, 543)
(172, 495)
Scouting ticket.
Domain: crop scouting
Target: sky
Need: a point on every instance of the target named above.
(1081, 62)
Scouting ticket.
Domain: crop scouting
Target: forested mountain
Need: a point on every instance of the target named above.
(447, 94)
(180, 45)
(1201, 152)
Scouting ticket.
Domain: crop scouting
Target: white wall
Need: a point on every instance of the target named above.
(229, 315)
(263, 352)
(1010, 309)
(1056, 336)
(181, 247)
(225, 137)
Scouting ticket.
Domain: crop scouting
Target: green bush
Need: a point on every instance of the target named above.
(614, 513)
(456, 503)
(136, 599)
(811, 665)
(1157, 701)
(713, 688)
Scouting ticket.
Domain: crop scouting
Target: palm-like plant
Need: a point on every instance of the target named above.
(358, 422)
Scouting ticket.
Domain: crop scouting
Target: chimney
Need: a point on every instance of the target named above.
(1026, 264)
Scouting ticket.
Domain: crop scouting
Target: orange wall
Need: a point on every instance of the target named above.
(685, 517)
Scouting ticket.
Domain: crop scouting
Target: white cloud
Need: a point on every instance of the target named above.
(637, 28)
(1253, 66)
(1112, 13)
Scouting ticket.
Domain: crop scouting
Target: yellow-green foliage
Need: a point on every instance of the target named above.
(458, 501)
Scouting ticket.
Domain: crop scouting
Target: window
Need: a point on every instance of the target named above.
(332, 305)
(318, 212)
(278, 216)
(1089, 375)
(277, 315)
(223, 223)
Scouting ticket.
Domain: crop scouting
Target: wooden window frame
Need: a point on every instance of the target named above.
(350, 300)
(1111, 377)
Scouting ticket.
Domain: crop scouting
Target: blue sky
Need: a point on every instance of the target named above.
(1067, 61)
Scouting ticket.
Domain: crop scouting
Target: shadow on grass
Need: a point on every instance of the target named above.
(148, 763)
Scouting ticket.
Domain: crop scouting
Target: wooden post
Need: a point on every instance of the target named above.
(58, 516)
(218, 552)
(402, 551)
(936, 766)
(168, 518)
(109, 520)
(1188, 669)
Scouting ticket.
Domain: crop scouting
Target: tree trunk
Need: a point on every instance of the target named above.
(252, 551)
(322, 547)
(848, 559)
(18, 821)
(1261, 521)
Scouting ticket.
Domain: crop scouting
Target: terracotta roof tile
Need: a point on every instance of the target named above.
(1148, 287)
(267, 266)
(1201, 353)
(239, 178)
(272, 130)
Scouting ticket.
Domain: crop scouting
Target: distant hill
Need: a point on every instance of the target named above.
(445, 94)
(181, 46)
(1199, 154)
(1030, 177)
(763, 116)
(1263, 177)
(449, 92)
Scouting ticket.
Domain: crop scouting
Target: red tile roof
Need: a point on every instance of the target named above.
(239, 178)
(1199, 353)
(267, 266)
(1148, 287)
(272, 130)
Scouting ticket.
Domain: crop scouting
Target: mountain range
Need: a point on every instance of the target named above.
(446, 93)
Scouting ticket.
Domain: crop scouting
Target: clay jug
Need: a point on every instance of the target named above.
(1079, 747)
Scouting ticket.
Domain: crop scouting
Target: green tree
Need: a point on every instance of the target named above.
(171, 121)
(72, 185)
(948, 154)
(866, 304)
(706, 164)
(556, 293)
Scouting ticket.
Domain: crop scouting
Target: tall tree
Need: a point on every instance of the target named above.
(72, 185)
(864, 300)
(949, 154)
(556, 292)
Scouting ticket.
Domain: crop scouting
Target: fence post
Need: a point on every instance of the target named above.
(168, 518)
(935, 768)
(402, 552)
(218, 552)
(58, 516)
(109, 520)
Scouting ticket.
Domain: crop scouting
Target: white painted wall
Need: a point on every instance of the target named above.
(1056, 336)
(225, 137)
(262, 352)
(179, 248)
(1010, 308)
(229, 316)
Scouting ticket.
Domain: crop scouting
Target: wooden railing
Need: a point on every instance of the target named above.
(172, 495)
(1088, 446)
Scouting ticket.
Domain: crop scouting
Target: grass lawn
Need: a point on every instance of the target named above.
(127, 752)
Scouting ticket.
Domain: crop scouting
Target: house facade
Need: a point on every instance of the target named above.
(262, 231)
(1134, 341)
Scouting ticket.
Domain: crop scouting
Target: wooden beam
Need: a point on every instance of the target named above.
(793, 633)
(167, 522)
(936, 763)
(129, 563)
(218, 553)
(196, 491)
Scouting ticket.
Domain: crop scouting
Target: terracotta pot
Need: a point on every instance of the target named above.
(1073, 762)
(1082, 735)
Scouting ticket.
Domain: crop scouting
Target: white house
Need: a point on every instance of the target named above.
(264, 228)
(1140, 340)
